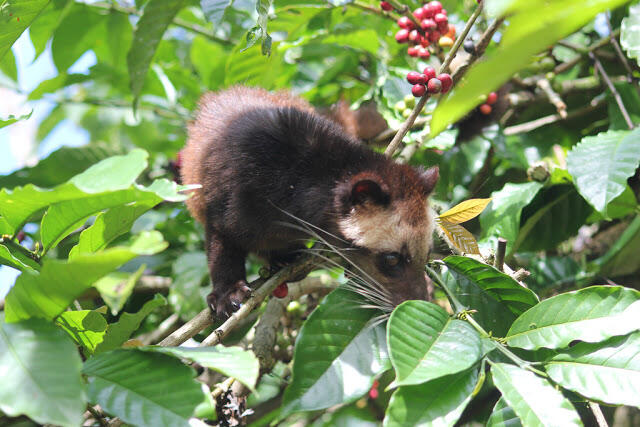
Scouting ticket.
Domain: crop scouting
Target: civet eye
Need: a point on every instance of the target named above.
(391, 259)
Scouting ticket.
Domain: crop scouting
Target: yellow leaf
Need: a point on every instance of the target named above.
(459, 237)
(464, 211)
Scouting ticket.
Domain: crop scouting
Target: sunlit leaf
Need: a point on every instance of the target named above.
(630, 33)
(459, 237)
(592, 314)
(464, 211)
(15, 17)
(503, 416)
(86, 327)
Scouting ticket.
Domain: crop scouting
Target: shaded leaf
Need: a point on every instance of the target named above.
(337, 354)
(621, 257)
(592, 314)
(86, 327)
(601, 164)
(157, 16)
(115, 288)
(143, 388)
(426, 343)
(233, 362)
(503, 416)
(40, 369)
(214, 10)
(498, 285)
(608, 372)
(439, 402)
(464, 211)
(119, 332)
(533, 399)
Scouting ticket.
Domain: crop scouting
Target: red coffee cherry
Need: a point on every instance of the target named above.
(446, 81)
(405, 22)
(418, 90)
(414, 36)
(412, 51)
(415, 78)
(425, 42)
(485, 109)
(402, 36)
(434, 36)
(436, 6)
(428, 24)
(423, 53)
(419, 14)
(434, 86)
(429, 72)
(384, 5)
(492, 98)
(281, 291)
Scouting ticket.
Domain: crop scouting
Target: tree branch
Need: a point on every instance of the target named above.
(600, 69)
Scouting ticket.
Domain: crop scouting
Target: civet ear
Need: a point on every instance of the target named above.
(429, 179)
(369, 190)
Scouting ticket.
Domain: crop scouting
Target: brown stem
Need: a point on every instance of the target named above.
(375, 10)
(613, 89)
(397, 139)
(543, 121)
(500, 253)
(597, 413)
(621, 56)
(479, 49)
(553, 97)
(560, 68)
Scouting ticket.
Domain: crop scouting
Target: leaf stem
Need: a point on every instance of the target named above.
(465, 314)
(600, 69)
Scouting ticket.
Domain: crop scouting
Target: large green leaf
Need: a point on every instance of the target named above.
(630, 33)
(55, 84)
(214, 10)
(143, 388)
(426, 343)
(523, 38)
(621, 258)
(15, 17)
(47, 22)
(601, 164)
(608, 371)
(40, 370)
(439, 402)
(48, 173)
(115, 288)
(553, 216)
(86, 327)
(502, 217)
(112, 174)
(494, 282)
(337, 354)
(119, 332)
(503, 416)
(59, 282)
(536, 401)
(8, 66)
(187, 295)
(592, 314)
(157, 16)
(13, 256)
(233, 362)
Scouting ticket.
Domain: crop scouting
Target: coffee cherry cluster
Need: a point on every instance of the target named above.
(434, 26)
(486, 108)
(427, 81)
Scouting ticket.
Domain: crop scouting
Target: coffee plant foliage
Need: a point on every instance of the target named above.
(110, 262)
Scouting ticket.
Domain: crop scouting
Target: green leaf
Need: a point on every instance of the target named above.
(621, 258)
(13, 256)
(211, 72)
(80, 30)
(48, 173)
(43, 27)
(630, 33)
(426, 343)
(55, 84)
(118, 333)
(523, 38)
(502, 217)
(601, 164)
(50, 292)
(533, 399)
(608, 372)
(143, 388)
(494, 282)
(8, 66)
(157, 16)
(439, 402)
(337, 354)
(553, 216)
(233, 362)
(12, 119)
(112, 174)
(40, 370)
(592, 314)
(115, 288)
(214, 10)
(15, 17)
(503, 416)
(187, 295)
(86, 327)
(108, 226)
